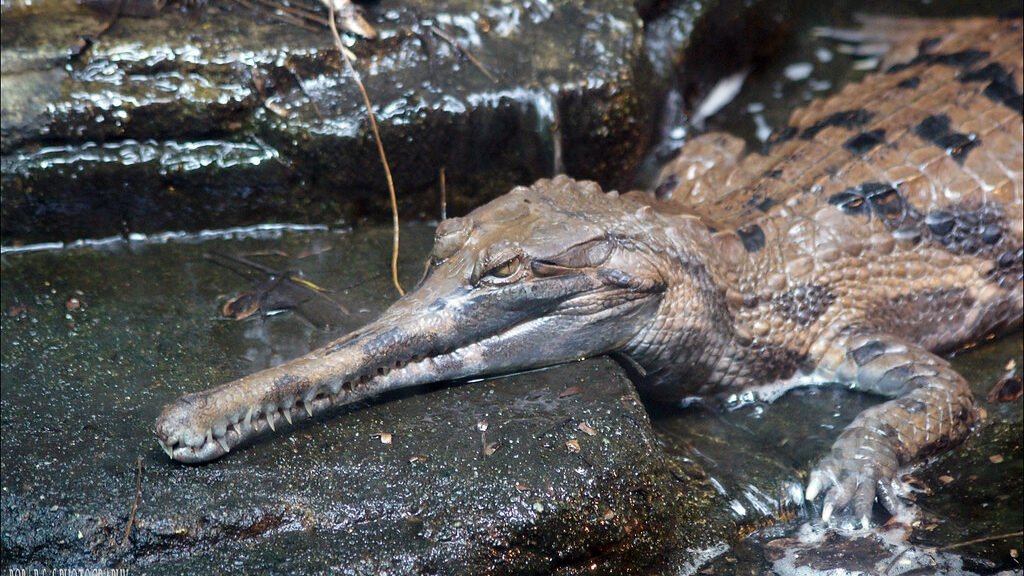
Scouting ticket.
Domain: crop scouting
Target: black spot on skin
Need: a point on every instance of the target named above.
(666, 187)
(963, 60)
(914, 406)
(896, 378)
(787, 133)
(882, 200)
(1011, 268)
(850, 201)
(909, 83)
(777, 363)
(762, 203)
(865, 141)
(1009, 258)
(940, 222)
(936, 129)
(766, 204)
(886, 202)
(845, 119)
(868, 352)
(991, 234)
(803, 304)
(773, 174)
(752, 237)
(978, 231)
(1001, 88)
(927, 44)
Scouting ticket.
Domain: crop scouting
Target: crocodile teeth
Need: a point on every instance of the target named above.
(223, 444)
(248, 418)
(270, 420)
(167, 449)
(287, 414)
(309, 409)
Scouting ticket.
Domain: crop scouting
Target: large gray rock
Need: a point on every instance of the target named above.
(221, 116)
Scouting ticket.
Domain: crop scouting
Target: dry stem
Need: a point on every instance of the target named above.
(380, 144)
(135, 502)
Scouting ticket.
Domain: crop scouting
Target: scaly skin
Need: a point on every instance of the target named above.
(885, 224)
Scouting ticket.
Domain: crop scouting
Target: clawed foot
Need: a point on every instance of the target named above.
(861, 467)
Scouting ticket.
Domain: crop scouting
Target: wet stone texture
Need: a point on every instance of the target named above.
(549, 472)
(220, 115)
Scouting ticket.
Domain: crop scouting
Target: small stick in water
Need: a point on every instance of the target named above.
(444, 197)
(135, 502)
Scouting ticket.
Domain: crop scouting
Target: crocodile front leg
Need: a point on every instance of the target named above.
(932, 408)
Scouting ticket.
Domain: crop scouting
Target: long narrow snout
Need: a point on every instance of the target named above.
(387, 354)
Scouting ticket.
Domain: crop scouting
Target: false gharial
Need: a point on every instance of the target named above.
(881, 227)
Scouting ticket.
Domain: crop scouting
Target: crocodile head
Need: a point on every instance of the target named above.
(543, 275)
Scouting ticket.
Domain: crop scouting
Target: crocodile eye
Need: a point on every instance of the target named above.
(507, 271)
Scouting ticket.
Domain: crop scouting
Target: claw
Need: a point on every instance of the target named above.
(813, 486)
(887, 497)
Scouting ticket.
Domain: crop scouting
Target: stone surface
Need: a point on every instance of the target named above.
(97, 340)
(220, 116)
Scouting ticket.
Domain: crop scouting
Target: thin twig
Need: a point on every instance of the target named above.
(111, 19)
(380, 145)
(302, 88)
(444, 196)
(135, 502)
(84, 41)
(984, 539)
(466, 53)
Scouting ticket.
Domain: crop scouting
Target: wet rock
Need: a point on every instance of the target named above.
(217, 116)
(446, 494)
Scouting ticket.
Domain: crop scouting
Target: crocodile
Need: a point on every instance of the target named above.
(880, 228)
